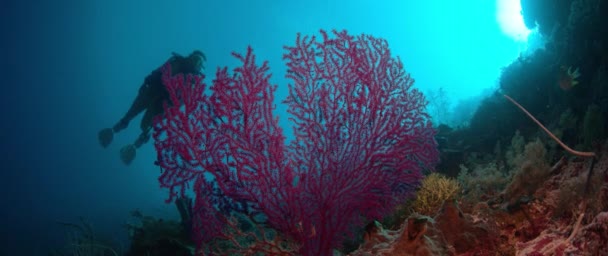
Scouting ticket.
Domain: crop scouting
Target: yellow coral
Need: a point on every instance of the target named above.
(435, 189)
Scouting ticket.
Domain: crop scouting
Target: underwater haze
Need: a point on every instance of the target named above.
(70, 68)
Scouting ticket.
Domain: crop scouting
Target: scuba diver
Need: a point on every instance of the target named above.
(150, 98)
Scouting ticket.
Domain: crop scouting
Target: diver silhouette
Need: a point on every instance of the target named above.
(150, 98)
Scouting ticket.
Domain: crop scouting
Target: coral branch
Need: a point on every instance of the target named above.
(563, 145)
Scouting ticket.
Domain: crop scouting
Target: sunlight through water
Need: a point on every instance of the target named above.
(510, 19)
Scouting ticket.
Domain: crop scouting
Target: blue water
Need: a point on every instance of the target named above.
(70, 68)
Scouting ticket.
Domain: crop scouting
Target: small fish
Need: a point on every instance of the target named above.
(567, 77)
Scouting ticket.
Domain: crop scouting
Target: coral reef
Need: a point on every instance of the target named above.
(450, 232)
(532, 228)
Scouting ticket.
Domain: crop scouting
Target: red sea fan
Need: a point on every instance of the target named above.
(362, 138)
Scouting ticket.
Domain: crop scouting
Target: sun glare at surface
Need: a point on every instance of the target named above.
(510, 20)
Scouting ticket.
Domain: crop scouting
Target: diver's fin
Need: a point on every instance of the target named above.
(127, 154)
(105, 137)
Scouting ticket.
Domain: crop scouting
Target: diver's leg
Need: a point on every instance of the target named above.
(139, 104)
(146, 122)
(106, 135)
(153, 110)
(128, 152)
(143, 137)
